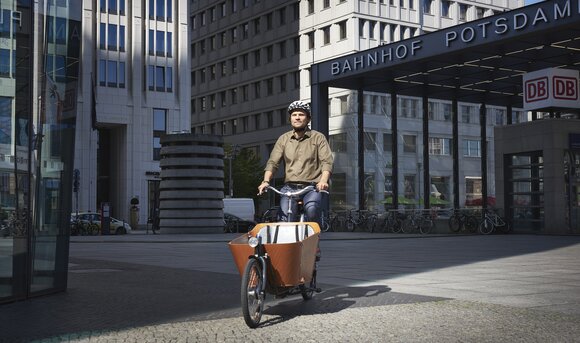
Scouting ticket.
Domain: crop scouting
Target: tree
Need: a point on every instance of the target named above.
(247, 172)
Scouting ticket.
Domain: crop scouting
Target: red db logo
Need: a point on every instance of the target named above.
(537, 89)
(565, 88)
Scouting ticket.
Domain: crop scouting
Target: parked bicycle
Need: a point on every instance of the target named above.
(391, 221)
(362, 219)
(462, 220)
(419, 221)
(492, 221)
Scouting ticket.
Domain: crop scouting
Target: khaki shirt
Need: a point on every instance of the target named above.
(305, 158)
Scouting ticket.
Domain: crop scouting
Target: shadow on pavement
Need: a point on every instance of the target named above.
(337, 299)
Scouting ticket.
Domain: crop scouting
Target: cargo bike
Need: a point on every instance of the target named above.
(276, 258)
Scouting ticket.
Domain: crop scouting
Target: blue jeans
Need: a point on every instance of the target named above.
(311, 205)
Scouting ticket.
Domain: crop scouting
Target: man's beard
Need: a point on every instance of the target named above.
(300, 129)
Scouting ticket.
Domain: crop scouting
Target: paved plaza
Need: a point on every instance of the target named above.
(376, 288)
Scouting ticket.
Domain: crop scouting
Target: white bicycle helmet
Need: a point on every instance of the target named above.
(299, 105)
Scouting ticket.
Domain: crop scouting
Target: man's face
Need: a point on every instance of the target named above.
(299, 120)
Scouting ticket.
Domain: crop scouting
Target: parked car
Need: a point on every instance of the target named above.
(236, 224)
(93, 220)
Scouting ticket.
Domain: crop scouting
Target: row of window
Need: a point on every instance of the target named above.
(411, 108)
(111, 73)
(239, 32)
(219, 11)
(230, 66)
(249, 123)
(438, 146)
(112, 37)
(160, 43)
(112, 6)
(387, 31)
(161, 10)
(259, 89)
(447, 5)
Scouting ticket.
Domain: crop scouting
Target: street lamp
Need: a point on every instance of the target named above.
(235, 149)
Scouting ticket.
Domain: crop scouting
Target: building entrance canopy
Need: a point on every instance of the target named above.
(481, 61)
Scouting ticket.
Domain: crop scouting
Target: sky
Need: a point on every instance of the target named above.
(529, 2)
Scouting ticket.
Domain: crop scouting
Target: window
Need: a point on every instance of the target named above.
(409, 143)
(223, 69)
(427, 6)
(326, 4)
(234, 32)
(479, 12)
(159, 129)
(102, 35)
(269, 54)
(282, 16)
(310, 6)
(387, 142)
(212, 101)
(111, 73)
(439, 146)
(245, 30)
(372, 26)
(270, 86)
(234, 64)
(462, 12)
(445, 4)
(471, 148)
(160, 78)
(102, 70)
(245, 61)
(234, 95)
(257, 89)
(338, 142)
(310, 36)
(121, 74)
(234, 5)
(121, 38)
(160, 43)
(256, 58)
(468, 114)
(342, 30)
(296, 45)
(296, 76)
(245, 93)
(169, 43)
(369, 141)
(361, 28)
(223, 9)
(112, 37)
(282, 79)
(212, 72)
(295, 11)
(326, 35)
(282, 49)
(269, 21)
(212, 43)
(270, 119)
(257, 26)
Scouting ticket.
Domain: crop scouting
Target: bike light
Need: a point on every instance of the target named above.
(253, 242)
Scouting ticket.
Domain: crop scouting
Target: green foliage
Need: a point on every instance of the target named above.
(247, 172)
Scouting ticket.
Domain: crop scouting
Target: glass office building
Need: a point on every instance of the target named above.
(39, 73)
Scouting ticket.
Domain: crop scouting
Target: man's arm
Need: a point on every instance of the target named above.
(326, 161)
(265, 182)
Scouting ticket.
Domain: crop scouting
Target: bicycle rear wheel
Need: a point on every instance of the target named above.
(408, 226)
(426, 225)
(350, 225)
(372, 223)
(252, 299)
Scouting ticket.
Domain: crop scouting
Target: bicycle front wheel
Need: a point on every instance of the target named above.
(454, 223)
(252, 298)
(350, 225)
(471, 224)
(426, 226)
(371, 223)
(486, 227)
(408, 226)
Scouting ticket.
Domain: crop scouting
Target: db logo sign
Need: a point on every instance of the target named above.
(565, 88)
(560, 87)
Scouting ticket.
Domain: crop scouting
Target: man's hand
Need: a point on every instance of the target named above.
(262, 188)
(322, 186)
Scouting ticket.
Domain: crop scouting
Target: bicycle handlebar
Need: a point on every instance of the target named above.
(296, 193)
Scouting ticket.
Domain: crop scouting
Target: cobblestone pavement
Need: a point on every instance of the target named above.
(376, 288)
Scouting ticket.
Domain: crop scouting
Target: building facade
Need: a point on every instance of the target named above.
(39, 77)
(135, 88)
(251, 59)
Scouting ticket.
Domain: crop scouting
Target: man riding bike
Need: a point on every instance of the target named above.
(308, 161)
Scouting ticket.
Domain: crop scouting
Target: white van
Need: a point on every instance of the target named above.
(240, 207)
